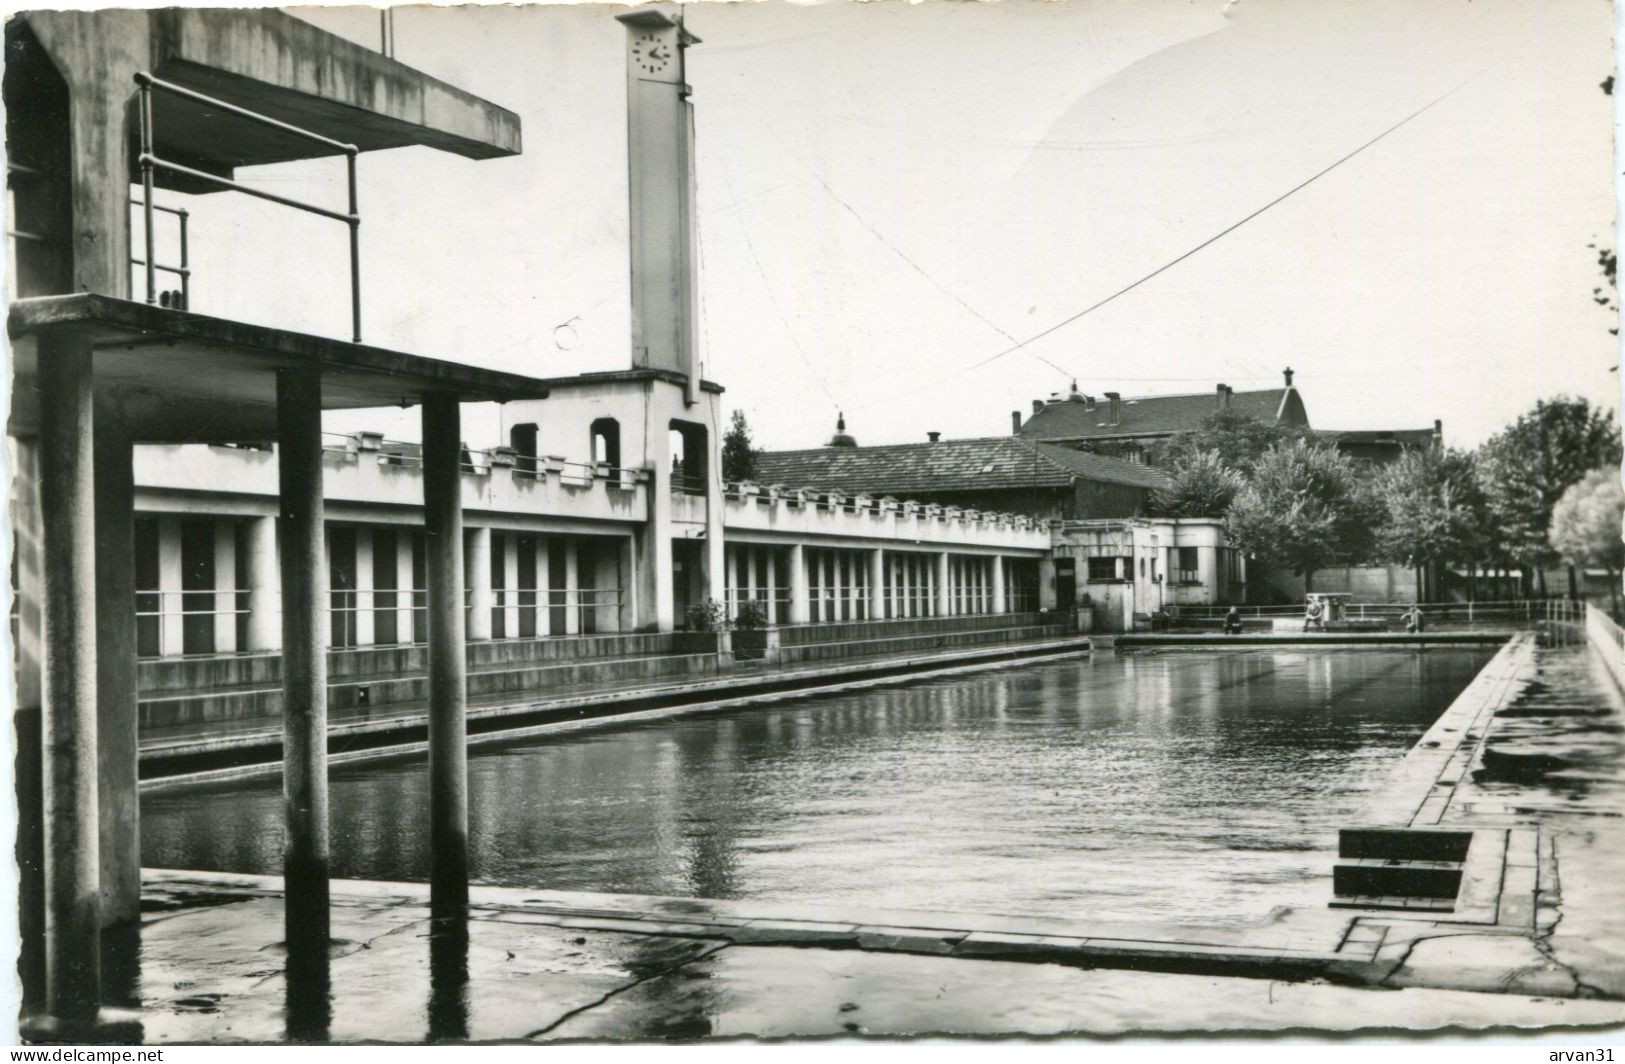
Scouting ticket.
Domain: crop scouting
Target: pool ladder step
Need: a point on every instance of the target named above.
(1416, 869)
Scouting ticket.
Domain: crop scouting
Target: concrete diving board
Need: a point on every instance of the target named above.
(179, 377)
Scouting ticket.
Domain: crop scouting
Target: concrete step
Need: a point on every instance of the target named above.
(925, 641)
(246, 702)
(1392, 877)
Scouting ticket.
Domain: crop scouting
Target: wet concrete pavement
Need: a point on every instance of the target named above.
(211, 971)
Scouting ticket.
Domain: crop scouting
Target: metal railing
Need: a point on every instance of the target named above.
(184, 270)
(1469, 612)
(150, 162)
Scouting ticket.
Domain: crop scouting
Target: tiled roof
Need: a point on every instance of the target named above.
(1399, 437)
(990, 464)
(1156, 414)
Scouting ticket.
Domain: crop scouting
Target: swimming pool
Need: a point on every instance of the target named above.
(1202, 787)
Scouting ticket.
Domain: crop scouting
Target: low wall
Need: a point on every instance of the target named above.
(1607, 641)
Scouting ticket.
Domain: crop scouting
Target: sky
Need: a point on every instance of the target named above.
(891, 194)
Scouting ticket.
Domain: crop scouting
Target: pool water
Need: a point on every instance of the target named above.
(1202, 787)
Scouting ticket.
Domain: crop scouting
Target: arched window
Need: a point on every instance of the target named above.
(606, 441)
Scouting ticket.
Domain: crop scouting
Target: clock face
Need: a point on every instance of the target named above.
(651, 54)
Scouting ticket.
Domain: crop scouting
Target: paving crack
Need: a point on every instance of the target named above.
(619, 990)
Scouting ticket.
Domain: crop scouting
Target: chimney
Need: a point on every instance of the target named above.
(1117, 407)
(1222, 393)
(1438, 434)
(1038, 404)
(1287, 373)
(1015, 423)
(933, 436)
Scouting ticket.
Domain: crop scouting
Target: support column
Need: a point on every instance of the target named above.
(944, 591)
(67, 507)
(1000, 602)
(799, 611)
(479, 580)
(448, 677)
(404, 586)
(626, 563)
(748, 553)
(304, 675)
(877, 584)
(264, 620)
(171, 622)
(1046, 582)
(29, 763)
(225, 584)
(510, 583)
(544, 589)
(572, 590)
(116, 715)
(849, 566)
(771, 569)
(366, 632)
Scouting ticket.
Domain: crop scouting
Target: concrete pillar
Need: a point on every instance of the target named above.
(448, 678)
(28, 540)
(171, 626)
(831, 589)
(876, 583)
(749, 554)
(116, 714)
(659, 597)
(627, 580)
(366, 632)
(67, 509)
(849, 566)
(304, 669)
(606, 580)
(510, 583)
(544, 584)
(264, 616)
(944, 603)
(799, 605)
(572, 590)
(225, 585)
(771, 570)
(404, 585)
(1000, 601)
(479, 582)
(1046, 583)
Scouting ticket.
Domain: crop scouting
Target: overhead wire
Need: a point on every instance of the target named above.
(1226, 231)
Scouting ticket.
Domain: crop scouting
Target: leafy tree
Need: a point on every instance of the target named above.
(1433, 510)
(738, 457)
(1238, 440)
(1202, 486)
(1304, 507)
(1528, 466)
(1586, 523)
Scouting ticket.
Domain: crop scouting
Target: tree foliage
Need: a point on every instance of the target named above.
(1432, 509)
(1586, 521)
(1303, 507)
(1201, 486)
(1528, 466)
(1239, 440)
(738, 457)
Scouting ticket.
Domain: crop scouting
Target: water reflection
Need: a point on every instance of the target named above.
(1190, 786)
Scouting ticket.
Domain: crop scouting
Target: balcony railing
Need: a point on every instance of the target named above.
(150, 162)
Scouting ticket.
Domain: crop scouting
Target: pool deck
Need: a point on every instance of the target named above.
(1537, 939)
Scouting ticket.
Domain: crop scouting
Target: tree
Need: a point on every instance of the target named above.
(738, 457)
(1303, 507)
(1238, 440)
(1528, 466)
(1433, 511)
(1201, 486)
(1586, 523)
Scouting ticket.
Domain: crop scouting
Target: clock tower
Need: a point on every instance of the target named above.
(660, 154)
